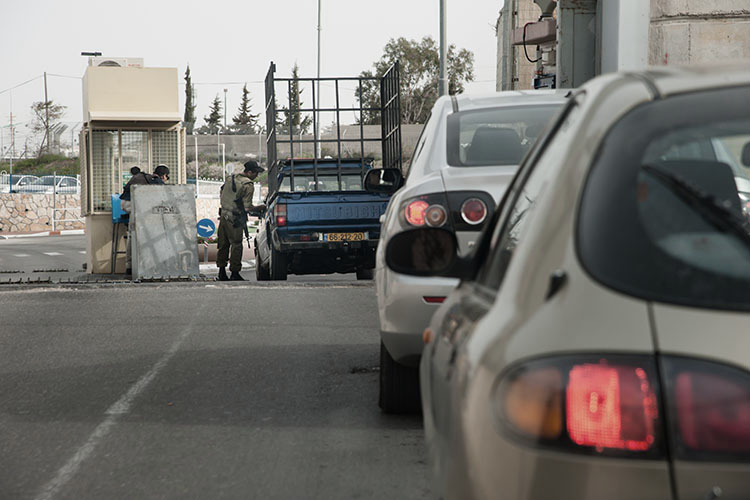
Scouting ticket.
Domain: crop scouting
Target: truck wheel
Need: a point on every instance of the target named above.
(364, 274)
(277, 265)
(399, 386)
(261, 273)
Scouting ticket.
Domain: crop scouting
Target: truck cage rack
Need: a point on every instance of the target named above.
(390, 121)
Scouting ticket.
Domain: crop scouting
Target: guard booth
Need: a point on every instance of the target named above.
(131, 117)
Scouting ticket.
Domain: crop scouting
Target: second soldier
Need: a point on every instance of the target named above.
(236, 202)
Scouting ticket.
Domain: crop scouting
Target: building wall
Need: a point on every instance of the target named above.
(694, 32)
(680, 32)
(514, 71)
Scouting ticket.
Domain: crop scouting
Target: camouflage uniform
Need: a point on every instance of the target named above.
(236, 195)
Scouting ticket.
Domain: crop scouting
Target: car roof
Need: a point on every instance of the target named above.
(466, 102)
(674, 79)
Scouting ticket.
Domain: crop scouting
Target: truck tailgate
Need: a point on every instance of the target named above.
(327, 210)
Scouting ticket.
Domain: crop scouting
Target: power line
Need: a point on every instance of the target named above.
(21, 84)
(65, 76)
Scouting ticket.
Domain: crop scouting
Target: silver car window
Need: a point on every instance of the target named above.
(514, 219)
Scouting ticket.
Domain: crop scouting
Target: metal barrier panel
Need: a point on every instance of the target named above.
(164, 239)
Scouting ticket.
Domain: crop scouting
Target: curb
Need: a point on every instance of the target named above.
(66, 232)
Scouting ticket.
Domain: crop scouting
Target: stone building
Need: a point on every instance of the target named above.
(600, 36)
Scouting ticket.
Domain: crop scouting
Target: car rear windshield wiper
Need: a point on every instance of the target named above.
(708, 206)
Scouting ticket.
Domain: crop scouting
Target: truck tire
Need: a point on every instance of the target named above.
(277, 265)
(399, 386)
(261, 273)
(364, 274)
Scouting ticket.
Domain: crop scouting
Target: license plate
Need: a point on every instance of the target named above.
(344, 237)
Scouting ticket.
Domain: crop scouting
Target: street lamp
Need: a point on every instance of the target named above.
(442, 83)
(225, 109)
(317, 84)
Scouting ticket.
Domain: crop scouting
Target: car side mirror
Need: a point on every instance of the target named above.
(425, 251)
(383, 180)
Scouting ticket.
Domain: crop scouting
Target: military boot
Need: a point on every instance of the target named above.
(236, 276)
(223, 274)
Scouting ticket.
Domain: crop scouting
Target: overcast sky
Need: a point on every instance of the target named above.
(226, 43)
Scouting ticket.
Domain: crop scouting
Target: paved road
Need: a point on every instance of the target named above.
(203, 390)
(62, 257)
(53, 256)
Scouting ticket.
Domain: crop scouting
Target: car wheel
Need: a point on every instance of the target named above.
(277, 265)
(261, 273)
(399, 385)
(364, 274)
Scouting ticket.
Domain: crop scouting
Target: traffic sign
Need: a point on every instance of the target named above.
(206, 228)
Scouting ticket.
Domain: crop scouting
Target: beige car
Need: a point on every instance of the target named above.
(598, 345)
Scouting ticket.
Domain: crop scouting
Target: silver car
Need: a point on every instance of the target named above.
(467, 154)
(598, 345)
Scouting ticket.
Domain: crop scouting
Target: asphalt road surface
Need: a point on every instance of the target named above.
(200, 390)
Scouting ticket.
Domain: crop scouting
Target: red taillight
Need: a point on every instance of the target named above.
(415, 212)
(473, 211)
(280, 214)
(713, 411)
(610, 407)
(434, 300)
(582, 403)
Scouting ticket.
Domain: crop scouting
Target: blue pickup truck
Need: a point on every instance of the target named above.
(319, 224)
(319, 218)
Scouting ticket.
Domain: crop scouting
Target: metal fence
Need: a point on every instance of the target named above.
(46, 184)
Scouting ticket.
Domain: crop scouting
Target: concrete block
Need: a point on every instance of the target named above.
(164, 243)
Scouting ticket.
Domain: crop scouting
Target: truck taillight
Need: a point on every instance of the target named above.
(280, 213)
(602, 406)
(710, 409)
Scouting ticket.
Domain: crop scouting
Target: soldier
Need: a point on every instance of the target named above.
(236, 202)
(160, 176)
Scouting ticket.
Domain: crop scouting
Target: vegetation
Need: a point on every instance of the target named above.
(45, 115)
(245, 122)
(189, 119)
(291, 114)
(213, 120)
(44, 165)
(420, 71)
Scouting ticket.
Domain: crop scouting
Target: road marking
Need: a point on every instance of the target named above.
(52, 254)
(114, 412)
(82, 251)
(20, 255)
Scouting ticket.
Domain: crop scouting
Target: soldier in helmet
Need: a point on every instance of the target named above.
(236, 202)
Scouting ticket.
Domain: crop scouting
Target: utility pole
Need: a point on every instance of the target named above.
(225, 110)
(45, 142)
(442, 82)
(317, 91)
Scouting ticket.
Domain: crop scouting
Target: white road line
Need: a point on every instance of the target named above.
(20, 255)
(51, 254)
(82, 251)
(121, 407)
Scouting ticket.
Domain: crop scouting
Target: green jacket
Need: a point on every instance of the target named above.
(237, 191)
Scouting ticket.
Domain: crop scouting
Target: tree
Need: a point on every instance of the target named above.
(213, 120)
(45, 115)
(244, 122)
(420, 71)
(299, 124)
(189, 119)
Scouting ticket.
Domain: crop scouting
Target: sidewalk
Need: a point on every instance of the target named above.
(64, 232)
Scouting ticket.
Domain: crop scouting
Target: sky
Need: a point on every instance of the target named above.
(225, 42)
